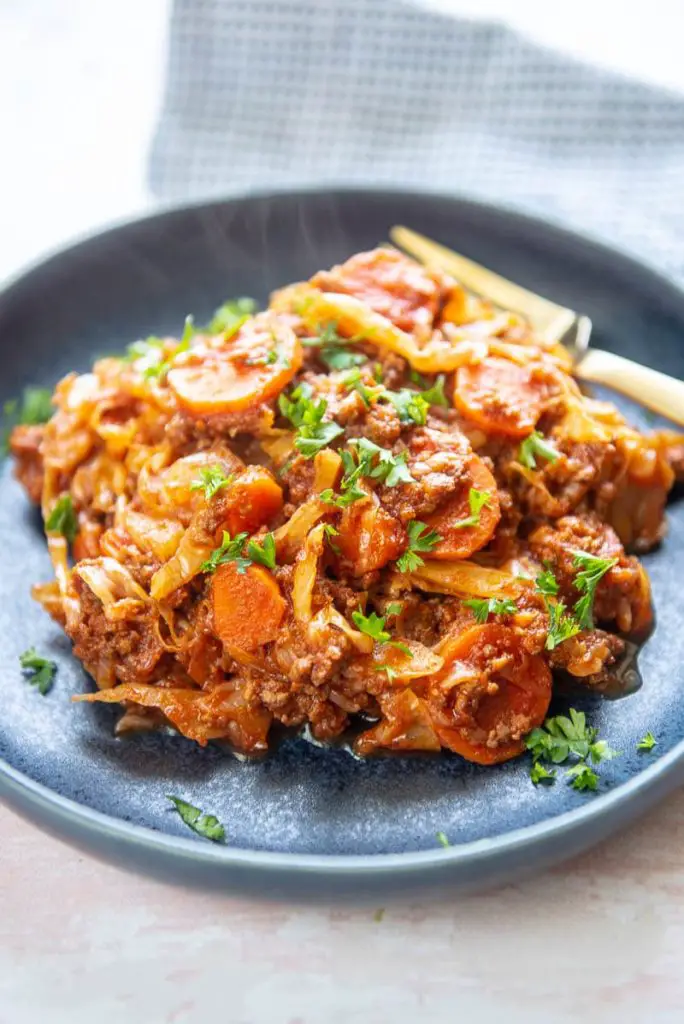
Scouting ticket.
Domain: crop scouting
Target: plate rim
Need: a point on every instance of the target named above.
(657, 778)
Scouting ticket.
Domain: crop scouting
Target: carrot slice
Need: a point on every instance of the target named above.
(461, 541)
(248, 606)
(220, 376)
(369, 537)
(490, 694)
(500, 396)
(253, 499)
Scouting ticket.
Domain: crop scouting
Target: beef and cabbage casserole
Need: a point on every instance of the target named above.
(379, 508)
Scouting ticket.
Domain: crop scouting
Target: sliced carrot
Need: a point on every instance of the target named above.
(369, 537)
(500, 395)
(490, 694)
(219, 376)
(248, 606)
(252, 500)
(461, 541)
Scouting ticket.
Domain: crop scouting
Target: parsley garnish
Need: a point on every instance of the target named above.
(410, 406)
(583, 777)
(592, 570)
(330, 532)
(349, 489)
(313, 433)
(333, 350)
(230, 550)
(39, 671)
(442, 839)
(546, 582)
(229, 318)
(212, 479)
(63, 519)
(562, 625)
(355, 382)
(435, 395)
(389, 469)
(536, 446)
(483, 607)
(268, 359)
(374, 626)
(647, 742)
(538, 773)
(391, 672)
(264, 553)
(35, 408)
(476, 501)
(205, 825)
(420, 538)
(562, 737)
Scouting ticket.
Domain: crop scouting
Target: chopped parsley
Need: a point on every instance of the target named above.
(476, 502)
(483, 607)
(212, 479)
(268, 359)
(442, 839)
(371, 461)
(355, 382)
(333, 348)
(563, 737)
(533, 447)
(411, 406)
(35, 407)
(313, 433)
(374, 626)
(390, 672)
(647, 742)
(546, 582)
(329, 532)
(592, 570)
(583, 777)
(230, 550)
(538, 773)
(63, 519)
(420, 538)
(562, 625)
(39, 671)
(435, 395)
(229, 318)
(264, 553)
(206, 825)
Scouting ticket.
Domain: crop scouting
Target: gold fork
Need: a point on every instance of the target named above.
(657, 391)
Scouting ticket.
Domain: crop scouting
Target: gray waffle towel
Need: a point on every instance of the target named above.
(270, 93)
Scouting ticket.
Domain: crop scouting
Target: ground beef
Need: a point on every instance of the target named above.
(588, 656)
(438, 462)
(25, 442)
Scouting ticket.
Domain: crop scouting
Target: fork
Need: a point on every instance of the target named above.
(659, 392)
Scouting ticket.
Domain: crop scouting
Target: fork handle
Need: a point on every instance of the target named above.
(657, 391)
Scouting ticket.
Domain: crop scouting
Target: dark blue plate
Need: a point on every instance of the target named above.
(310, 818)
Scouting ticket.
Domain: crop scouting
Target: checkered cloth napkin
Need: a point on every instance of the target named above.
(282, 93)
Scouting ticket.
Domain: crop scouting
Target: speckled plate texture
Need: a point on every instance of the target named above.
(307, 819)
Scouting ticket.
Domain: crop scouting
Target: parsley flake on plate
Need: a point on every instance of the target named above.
(206, 825)
(564, 737)
(647, 742)
(442, 839)
(39, 671)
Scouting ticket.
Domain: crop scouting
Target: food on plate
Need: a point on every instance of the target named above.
(380, 502)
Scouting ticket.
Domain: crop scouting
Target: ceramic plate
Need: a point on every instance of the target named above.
(309, 818)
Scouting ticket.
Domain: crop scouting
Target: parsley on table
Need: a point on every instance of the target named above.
(313, 432)
(536, 446)
(373, 625)
(476, 502)
(230, 550)
(333, 348)
(206, 825)
(212, 480)
(420, 538)
(538, 773)
(647, 742)
(39, 671)
(483, 607)
(442, 839)
(264, 553)
(229, 317)
(592, 571)
(63, 519)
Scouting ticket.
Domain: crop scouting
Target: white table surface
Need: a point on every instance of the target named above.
(600, 939)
